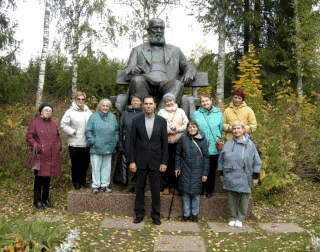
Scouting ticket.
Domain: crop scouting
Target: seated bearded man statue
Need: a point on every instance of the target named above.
(155, 68)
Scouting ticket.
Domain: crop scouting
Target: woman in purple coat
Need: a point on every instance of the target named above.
(43, 131)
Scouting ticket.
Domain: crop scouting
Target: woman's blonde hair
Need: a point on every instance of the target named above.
(237, 123)
(79, 93)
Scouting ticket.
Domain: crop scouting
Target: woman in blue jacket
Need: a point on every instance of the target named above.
(239, 168)
(192, 162)
(102, 135)
(209, 119)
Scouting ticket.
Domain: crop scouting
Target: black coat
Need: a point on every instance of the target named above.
(145, 151)
(125, 127)
(192, 164)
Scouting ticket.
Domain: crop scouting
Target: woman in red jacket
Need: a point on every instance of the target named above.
(44, 132)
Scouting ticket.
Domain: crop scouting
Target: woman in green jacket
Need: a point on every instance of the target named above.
(209, 119)
(102, 135)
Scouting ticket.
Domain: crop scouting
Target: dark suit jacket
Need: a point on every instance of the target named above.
(174, 60)
(151, 152)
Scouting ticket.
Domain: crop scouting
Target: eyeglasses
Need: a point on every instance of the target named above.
(78, 99)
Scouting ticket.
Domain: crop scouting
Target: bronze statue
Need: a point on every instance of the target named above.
(156, 68)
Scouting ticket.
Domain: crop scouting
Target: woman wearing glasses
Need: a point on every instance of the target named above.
(74, 123)
(238, 111)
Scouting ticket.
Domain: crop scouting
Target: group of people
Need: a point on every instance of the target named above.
(178, 155)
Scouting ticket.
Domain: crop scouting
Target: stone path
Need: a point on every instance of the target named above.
(46, 218)
(281, 228)
(121, 224)
(173, 226)
(179, 242)
(224, 228)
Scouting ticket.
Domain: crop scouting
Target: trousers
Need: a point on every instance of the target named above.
(154, 179)
(101, 170)
(195, 203)
(237, 212)
(80, 159)
(208, 186)
(41, 182)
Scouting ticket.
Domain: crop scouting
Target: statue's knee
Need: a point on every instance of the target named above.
(178, 84)
(137, 80)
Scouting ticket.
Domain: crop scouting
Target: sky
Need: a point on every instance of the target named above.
(184, 32)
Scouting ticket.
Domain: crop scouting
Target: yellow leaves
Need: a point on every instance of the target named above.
(2, 133)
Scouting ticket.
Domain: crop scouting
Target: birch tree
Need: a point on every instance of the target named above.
(298, 52)
(221, 52)
(44, 53)
(75, 24)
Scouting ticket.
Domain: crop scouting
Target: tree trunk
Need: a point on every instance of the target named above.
(221, 53)
(298, 50)
(44, 53)
(246, 29)
(146, 13)
(257, 24)
(75, 48)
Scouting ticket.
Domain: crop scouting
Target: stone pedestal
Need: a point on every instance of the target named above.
(122, 204)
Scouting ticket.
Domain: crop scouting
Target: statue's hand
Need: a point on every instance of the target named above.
(138, 70)
(187, 78)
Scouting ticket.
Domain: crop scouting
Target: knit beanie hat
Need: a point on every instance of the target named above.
(45, 104)
(169, 95)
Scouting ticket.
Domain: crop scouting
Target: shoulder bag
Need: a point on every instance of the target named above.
(255, 143)
(32, 160)
(219, 144)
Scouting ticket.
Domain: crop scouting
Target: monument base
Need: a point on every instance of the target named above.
(122, 204)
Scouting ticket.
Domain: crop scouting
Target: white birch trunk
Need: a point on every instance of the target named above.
(75, 48)
(221, 53)
(44, 53)
(298, 49)
(146, 13)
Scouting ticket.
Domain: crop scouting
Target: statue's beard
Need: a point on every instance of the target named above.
(157, 40)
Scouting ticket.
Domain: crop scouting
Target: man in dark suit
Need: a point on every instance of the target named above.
(148, 156)
(154, 67)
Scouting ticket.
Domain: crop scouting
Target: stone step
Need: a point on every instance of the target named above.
(123, 204)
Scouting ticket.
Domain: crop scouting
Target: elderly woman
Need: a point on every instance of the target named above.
(177, 121)
(73, 123)
(209, 119)
(43, 132)
(131, 111)
(102, 134)
(238, 111)
(239, 167)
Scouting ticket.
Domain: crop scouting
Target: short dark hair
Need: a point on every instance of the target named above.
(149, 96)
(136, 96)
(192, 122)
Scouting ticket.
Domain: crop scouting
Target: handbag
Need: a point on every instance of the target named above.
(219, 144)
(32, 160)
(120, 172)
(255, 143)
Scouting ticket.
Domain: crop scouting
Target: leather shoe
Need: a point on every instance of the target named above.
(157, 221)
(39, 205)
(185, 218)
(194, 218)
(137, 220)
(209, 195)
(48, 203)
(86, 185)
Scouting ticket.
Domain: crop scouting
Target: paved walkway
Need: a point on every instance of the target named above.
(184, 243)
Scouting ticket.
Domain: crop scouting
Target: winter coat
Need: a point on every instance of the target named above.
(125, 127)
(74, 119)
(241, 113)
(102, 133)
(45, 134)
(191, 162)
(238, 160)
(214, 118)
(176, 117)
